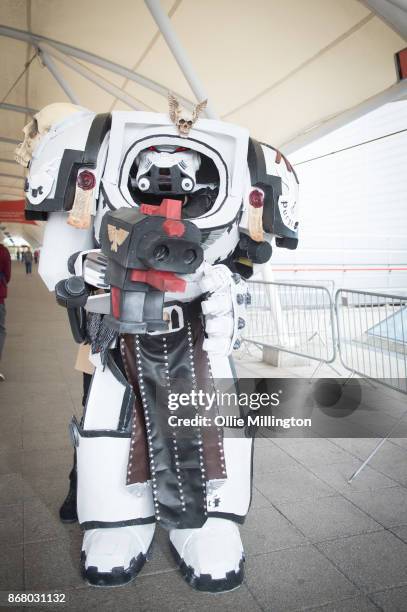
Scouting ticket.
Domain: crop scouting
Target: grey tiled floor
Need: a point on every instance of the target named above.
(312, 540)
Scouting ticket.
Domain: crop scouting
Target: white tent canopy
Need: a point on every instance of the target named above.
(288, 70)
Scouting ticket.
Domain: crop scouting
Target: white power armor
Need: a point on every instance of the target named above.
(170, 308)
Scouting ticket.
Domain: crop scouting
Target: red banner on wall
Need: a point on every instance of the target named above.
(401, 63)
(12, 211)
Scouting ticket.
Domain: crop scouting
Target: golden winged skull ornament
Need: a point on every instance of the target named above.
(117, 236)
(182, 118)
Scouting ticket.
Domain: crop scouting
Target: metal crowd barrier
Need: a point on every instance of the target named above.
(369, 330)
(294, 318)
(372, 336)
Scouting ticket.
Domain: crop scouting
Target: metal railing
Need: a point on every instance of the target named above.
(327, 283)
(368, 329)
(372, 335)
(295, 318)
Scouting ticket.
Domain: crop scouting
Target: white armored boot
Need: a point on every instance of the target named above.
(114, 556)
(211, 558)
(118, 520)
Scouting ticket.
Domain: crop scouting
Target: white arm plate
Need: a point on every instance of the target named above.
(60, 242)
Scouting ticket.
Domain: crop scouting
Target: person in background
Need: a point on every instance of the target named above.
(5, 274)
(28, 260)
(18, 254)
(36, 256)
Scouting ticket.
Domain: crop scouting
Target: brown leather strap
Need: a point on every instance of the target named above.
(138, 468)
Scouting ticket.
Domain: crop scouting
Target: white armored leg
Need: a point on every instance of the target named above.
(104, 499)
(211, 558)
(118, 520)
(232, 499)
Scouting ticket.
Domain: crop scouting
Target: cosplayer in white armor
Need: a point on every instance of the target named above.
(152, 221)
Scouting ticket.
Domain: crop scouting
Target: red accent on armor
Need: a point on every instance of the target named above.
(170, 209)
(179, 149)
(256, 198)
(86, 180)
(173, 228)
(115, 297)
(159, 279)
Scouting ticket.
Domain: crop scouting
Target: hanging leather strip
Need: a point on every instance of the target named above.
(182, 458)
(176, 453)
(138, 468)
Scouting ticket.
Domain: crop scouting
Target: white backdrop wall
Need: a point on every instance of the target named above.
(353, 206)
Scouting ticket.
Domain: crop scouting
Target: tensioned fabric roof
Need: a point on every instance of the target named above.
(282, 68)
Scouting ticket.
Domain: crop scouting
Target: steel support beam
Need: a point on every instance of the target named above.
(50, 64)
(164, 23)
(14, 176)
(11, 191)
(18, 109)
(113, 90)
(396, 92)
(12, 186)
(9, 140)
(394, 12)
(36, 39)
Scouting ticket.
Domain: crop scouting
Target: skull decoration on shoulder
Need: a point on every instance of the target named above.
(40, 124)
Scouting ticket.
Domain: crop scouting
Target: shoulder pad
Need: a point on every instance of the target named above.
(271, 172)
(51, 182)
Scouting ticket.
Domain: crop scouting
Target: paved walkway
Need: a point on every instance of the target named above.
(312, 541)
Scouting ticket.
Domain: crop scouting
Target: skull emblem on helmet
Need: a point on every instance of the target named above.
(183, 119)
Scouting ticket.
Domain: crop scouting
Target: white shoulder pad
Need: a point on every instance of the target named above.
(76, 144)
(272, 193)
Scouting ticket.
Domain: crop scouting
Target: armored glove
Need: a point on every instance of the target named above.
(224, 308)
(91, 265)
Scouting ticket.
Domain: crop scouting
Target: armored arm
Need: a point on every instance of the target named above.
(65, 146)
(60, 241)
(270, 207)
